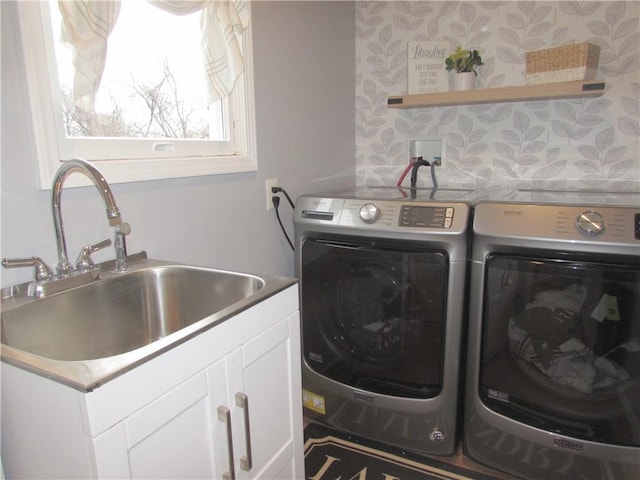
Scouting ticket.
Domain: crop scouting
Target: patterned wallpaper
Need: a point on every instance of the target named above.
(588, 143)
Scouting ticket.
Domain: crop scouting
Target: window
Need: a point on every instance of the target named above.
(207, 137)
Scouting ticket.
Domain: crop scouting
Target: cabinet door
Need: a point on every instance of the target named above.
(270, 364)
(170, 438)
(182, 434)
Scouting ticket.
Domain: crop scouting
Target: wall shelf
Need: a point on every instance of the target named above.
(524, 93)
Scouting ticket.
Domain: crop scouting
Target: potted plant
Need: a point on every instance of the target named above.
(463, 62)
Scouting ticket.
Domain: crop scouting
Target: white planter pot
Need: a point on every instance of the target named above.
(463, 81)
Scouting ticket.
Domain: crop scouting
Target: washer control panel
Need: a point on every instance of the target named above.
(412, 215)
(421, 216)
(390, 215)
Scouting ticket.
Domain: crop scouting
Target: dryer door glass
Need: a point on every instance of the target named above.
(561, 345)
(373, 314)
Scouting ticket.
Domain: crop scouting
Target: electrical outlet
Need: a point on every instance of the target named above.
(270, 182)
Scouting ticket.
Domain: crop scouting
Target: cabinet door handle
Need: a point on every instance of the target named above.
(243, 402)
(224, 415)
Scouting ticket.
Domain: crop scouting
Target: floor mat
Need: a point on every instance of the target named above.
(329, 455)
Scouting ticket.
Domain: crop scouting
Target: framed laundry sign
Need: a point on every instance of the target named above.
(426, 67)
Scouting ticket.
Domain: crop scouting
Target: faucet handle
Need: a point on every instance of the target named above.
(84, 261)
(42, 270)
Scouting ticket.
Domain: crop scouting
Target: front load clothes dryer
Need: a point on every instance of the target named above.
(382, 290)
(553, 374)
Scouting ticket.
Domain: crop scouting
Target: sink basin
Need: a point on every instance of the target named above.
(84, 335)
(123, 313)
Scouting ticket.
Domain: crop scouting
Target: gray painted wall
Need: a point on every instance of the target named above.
(305, 102)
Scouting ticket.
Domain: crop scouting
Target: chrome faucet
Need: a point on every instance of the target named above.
(64, 267)
(46, 282)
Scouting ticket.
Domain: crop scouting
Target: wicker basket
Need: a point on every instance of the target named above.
(563, 64)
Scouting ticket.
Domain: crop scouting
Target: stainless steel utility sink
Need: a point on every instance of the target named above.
(120, 314)
(88, 334)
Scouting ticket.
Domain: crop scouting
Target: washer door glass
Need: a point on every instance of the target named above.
(373, 314)
(561, 345)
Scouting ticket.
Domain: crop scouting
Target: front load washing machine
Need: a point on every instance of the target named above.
(382, 289)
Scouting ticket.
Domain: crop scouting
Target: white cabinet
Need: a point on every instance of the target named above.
(232, 392)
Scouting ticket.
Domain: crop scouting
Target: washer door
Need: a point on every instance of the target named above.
(373, 314)
(368, 301)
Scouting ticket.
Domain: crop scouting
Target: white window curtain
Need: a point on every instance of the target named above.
(87, 24)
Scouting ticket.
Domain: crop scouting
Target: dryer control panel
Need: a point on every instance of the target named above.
(578, 224)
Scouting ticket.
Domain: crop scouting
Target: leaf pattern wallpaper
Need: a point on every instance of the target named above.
(586, 144)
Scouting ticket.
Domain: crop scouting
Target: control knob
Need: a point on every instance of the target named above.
(369, 213)
(590, 223)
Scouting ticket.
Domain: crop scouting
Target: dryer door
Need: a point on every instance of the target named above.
(373, 314)
(561, 345)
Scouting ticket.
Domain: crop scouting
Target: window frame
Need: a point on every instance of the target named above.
(47, 124)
